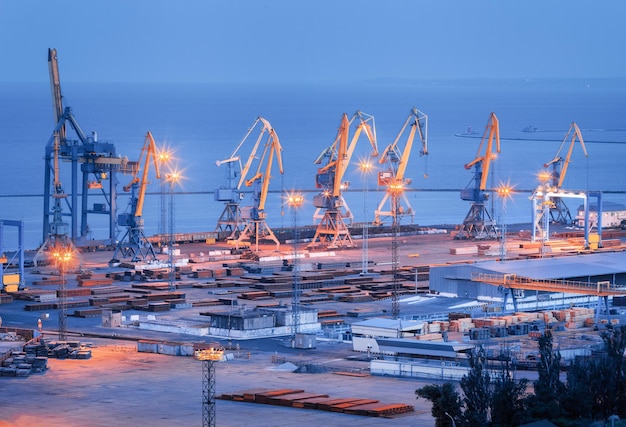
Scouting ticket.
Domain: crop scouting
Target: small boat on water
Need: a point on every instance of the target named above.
(529, 128)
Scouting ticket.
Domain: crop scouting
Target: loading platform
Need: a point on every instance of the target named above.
(601, 289)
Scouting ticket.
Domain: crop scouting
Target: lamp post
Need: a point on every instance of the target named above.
(62, 254)
(295, 201)
(172, 178)
(396, 190)
(163, 158)
(366, 168)
(504, 191)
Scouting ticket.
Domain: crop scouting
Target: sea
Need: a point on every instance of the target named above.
(205, 123)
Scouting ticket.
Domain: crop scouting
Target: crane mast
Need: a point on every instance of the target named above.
(478, 223)
(332, 231)
(250, 222)
(397, 158)
(134, 244)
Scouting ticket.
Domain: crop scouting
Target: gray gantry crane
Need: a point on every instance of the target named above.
(93, 164)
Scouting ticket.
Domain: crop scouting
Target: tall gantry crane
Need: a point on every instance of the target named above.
(98, 162)
(250, 222)
(397, 158)
(134, 244)
(478, 223)
(332, 231)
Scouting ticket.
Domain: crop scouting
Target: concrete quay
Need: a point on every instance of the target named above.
(119, 386)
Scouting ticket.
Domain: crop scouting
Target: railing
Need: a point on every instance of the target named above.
(521, 282)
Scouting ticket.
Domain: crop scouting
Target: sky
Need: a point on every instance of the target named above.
(311, 41)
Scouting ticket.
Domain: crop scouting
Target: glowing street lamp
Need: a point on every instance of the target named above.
(295, 202)
(62, 255)
(172, 178)
(504, 192)
(164, 158)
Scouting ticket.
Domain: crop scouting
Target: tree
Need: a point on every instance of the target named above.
(614, 400)
(508, 399)
(476, 387)
(446, 402)
(544, 404)
(578, 402)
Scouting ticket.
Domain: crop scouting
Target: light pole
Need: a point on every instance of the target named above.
(173, 178)
(295, 201)
(164, 156)
(504, 191)
(366, 168)
(396, 190)
(62, 255)
(453, 422)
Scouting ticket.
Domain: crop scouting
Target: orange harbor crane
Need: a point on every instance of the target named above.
(478, 223)
(332, 231)
(134, 244)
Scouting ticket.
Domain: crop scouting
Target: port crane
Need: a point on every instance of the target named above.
(249, 223)
(547, 199)
(93, 163)
(478, 223)
(332, 231)
(134, 244)
(396, 158)
(559, 212)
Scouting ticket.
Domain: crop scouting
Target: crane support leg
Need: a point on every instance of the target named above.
(477, 224)
(258, 230)
(332, 232)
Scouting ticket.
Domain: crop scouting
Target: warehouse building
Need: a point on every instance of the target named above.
(456, 280)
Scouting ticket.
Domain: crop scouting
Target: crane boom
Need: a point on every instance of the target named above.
(55, 87)
(150, 152)
(340, 152)
(559, 176)
(492, 131)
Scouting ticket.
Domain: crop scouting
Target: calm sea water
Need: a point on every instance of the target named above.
(204, 123)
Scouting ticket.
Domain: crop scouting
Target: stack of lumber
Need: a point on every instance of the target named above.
(464, 250)
(298, 398)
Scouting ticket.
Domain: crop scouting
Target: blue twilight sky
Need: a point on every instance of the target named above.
(311, 41)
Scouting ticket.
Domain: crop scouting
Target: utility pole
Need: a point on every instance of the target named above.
(173, 179)
(295, 202)
(62, 255)
(395, 305)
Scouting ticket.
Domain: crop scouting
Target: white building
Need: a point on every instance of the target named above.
(612, 215)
